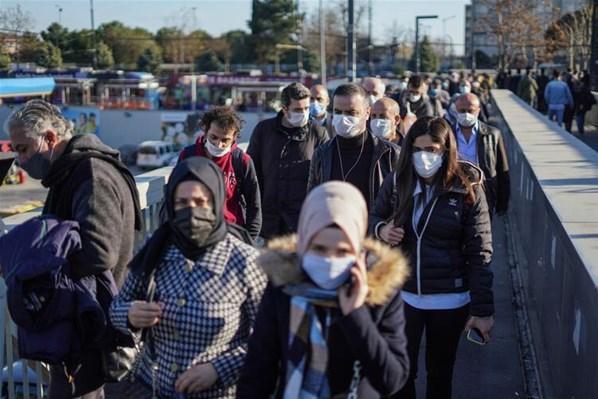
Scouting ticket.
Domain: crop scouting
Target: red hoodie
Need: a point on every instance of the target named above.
(232, 207)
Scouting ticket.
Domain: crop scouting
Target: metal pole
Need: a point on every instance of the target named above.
(300, 40)
(351, 72)
(322, 46)
(417, 60)
(59, 14)
(370, 45)
(594, 56)
(95, 39)
(472, 52)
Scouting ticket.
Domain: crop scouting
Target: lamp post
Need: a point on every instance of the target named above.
(417, 52)
(59, 14)
(322, 46)
(444, 34)
(351, 67)
(95, 41)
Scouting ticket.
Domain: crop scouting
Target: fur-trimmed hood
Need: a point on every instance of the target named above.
(387, 268)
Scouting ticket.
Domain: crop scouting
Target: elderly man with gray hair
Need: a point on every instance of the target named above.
(89, 184)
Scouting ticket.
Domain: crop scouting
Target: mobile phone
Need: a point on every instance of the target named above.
(474, 335)
(349, 284)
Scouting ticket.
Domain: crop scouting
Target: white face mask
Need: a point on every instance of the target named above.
(426, 163)
(216, 151)
(347, 126)
(327, 272)
(381, 127)
(298, 119)
(465, 89)
(414, 97)
(466, 119)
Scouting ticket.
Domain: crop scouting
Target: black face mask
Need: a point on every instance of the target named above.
(195, 224)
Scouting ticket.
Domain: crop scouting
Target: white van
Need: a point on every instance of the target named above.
(155, 154)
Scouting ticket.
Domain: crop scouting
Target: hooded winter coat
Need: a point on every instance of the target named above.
(89, 184)
(372, 334)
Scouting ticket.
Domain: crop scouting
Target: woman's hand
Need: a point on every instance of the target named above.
(352, 296)
(144, 314)
(484, 324)
(198, 378)
(391, 235)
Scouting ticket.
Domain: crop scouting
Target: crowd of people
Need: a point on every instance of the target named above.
(563, 97)
(309, 266)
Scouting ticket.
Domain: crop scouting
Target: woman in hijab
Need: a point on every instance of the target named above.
(207, 291)
(331, 317)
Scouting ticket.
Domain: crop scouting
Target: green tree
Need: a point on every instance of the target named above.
(28, 47)
(168, 38)
(48, 56)
(105, 58)
(58, 35)
(4, 61)
(272, 22)
(208, 62)
(127, 44)
(429, 58)
(150, 59)
(240, 47)
(80, 47)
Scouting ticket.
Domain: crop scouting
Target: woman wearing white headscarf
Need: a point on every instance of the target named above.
(331, 316)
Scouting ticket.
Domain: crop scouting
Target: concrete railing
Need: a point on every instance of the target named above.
(26, 379)
(554, 209)
(592, 115)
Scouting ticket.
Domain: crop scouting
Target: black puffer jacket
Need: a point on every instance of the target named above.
(282, 165)
(455, 244)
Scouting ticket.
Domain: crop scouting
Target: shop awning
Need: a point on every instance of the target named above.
(26, 87)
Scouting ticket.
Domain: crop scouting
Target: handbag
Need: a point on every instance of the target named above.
(121, 361)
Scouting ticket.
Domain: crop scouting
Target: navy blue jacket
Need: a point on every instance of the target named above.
(58, 317)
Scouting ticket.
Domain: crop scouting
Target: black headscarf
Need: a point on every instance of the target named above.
(203, 170)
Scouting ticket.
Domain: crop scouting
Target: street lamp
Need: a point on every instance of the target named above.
(417, 52)
(444, 34)
(59, 14)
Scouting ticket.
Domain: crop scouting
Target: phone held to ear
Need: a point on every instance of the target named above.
(474, 335)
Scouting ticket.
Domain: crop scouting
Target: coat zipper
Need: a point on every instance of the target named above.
(419, 244)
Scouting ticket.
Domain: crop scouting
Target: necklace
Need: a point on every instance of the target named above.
(340, 158)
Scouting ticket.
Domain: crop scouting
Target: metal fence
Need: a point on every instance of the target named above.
(554, 194)
(28, 379)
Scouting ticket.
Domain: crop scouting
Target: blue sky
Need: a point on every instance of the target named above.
(218, 16)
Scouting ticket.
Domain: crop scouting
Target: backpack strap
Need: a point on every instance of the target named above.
(239, 169)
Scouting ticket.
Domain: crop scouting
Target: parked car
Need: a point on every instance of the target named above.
(17, 375)
(156, 154)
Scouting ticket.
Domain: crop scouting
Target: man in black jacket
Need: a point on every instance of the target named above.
(482, 145)
(354, 155)
(282, 148)
(415, 99)
(89, 184)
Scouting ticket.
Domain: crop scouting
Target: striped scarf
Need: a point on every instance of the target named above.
(308, 353)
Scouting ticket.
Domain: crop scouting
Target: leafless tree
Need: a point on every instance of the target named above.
(14, 23)
(518, 26)
(572, 33)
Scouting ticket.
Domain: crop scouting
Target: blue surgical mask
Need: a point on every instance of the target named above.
(328, 272)
(316, 109)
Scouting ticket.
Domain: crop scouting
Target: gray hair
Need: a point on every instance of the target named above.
(37, 116)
